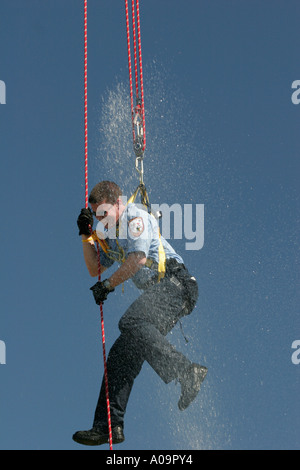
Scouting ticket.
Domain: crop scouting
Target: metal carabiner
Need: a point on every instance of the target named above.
(138, 143)
(139, 166)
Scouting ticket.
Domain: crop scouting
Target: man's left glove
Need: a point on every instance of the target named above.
(101, 290)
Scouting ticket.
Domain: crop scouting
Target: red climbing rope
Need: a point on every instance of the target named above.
(104, 359)
(85, 110)
(137, 111)
(86, 205)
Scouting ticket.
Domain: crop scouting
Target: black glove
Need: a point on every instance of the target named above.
(101, 291)
(85, 221)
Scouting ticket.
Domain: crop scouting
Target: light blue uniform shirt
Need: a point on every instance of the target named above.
(138, 232)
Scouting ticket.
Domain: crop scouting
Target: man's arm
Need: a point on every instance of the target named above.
(91, 257)
(128, 269)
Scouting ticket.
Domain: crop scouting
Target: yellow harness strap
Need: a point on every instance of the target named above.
(133, 197)
(162, 260)
(118, 256)
(94, 237)
(161, 251)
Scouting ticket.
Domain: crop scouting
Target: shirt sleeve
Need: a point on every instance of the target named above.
(139, 232)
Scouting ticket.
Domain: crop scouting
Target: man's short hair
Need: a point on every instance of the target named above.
(105, 191)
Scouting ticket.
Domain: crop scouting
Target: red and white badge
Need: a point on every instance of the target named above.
(136, 226)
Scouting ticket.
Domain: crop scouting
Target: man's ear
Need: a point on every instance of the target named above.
(120, 202)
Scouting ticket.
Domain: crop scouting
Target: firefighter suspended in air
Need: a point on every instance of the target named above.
(168, 293)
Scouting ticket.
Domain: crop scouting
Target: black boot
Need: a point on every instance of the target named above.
(190, 385)
(99, 436)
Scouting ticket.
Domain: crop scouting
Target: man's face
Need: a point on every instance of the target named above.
(108, 214)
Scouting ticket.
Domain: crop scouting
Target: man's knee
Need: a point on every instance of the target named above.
(123, 325)
(127, 322)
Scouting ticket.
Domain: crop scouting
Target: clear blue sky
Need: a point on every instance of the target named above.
(222, 131)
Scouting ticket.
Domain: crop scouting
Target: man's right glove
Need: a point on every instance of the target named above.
(101, 290)
(85, 221)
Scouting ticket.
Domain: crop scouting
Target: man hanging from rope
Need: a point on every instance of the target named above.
(135, 244)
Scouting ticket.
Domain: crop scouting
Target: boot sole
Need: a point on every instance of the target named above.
(94, 443)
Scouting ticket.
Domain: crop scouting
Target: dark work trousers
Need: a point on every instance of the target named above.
(143, 328)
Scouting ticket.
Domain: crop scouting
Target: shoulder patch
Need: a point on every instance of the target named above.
(136, 226)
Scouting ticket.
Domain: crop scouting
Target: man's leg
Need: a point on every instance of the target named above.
(147, 322)
(123, 365)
